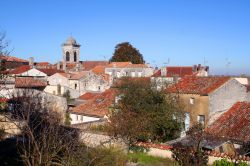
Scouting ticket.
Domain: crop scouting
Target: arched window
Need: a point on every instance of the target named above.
(75, 57)
(67, 56)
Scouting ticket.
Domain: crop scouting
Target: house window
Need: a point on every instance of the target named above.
(67, 56)
(187, 121)
(132, 74)
(75, 57)
(139, 74)
(75, 86)
(126, 74)
(99, 88)
(191, 100)
(81, 118)
(201, 119)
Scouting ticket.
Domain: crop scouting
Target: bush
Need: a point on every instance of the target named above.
(225, 162)
(106, 156)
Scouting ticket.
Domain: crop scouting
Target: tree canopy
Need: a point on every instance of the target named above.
(125, 52)
(143, 113)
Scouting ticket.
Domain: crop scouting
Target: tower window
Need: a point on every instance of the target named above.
(75, 56)
(67, 56)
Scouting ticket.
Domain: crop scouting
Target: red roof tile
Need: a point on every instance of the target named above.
(88, 65)
(98, 105)
(50, 72)
(233, 124)
(12, 59)
(88, 96)
(20, 69)
(176, 71)
(28, 82)
(99, 70)
(197, 85)
(3, 100)
(119, 64)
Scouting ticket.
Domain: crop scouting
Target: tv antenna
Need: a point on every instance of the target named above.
(228, 63)
(205, 61)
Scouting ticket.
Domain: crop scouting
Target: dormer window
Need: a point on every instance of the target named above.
(191, 100)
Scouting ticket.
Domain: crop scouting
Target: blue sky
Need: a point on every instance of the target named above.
(183, 31)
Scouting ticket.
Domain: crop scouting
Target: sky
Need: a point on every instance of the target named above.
(167, 32)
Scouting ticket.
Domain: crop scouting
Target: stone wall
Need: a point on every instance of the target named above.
(225, 97)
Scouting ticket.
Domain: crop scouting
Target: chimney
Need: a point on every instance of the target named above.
(199, 67)
(58, 66)
(195, 68)
(31, 61)
(163, 71)
(64, 66)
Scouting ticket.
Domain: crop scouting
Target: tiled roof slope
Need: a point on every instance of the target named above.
(176, 71)
(12, 59)
(99, 70)
(88, 65)
(50, 72)
(233, 124)
(197, 85)
(88, 95)
(28, 82)
(20, 69)
(118, 64)
(98, 105)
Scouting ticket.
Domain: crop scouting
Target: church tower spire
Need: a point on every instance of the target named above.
(71, 51)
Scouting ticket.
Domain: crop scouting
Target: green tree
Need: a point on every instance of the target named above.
(144, 113)
(125, 52)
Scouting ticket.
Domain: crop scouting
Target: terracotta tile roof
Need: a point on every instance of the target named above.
(233, 124)
(118, 64)
(98, 105)
(88, 95)
(28, 82)
(78, 75)
(105, 77)
(3, 100)
(176, 71)
(12, 59)
(88, 65)
(197, 85)
(137, 66)
(99, 70)
(50, 72)
(20, 69)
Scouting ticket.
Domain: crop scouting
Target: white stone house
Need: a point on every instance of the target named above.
(127, 69)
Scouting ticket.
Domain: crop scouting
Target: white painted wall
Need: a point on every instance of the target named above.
(33, 73)
(75, 118)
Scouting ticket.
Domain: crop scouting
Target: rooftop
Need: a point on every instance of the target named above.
(197, 85)
(28, 82)
(179, 71)
(12, 58)
(233, 124)
(98, 105)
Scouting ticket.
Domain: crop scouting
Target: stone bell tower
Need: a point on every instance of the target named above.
(71, 51)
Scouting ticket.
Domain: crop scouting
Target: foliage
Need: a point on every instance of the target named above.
(192, 153)
(125, 52)
(225, 162)
(103, 156)
(143, 158)
(67, 95)
(144, 113)
(67, 119)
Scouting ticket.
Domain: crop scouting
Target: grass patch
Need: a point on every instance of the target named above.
(145, 159)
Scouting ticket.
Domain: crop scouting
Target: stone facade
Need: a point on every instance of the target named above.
(225, 97)
(127, 69)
